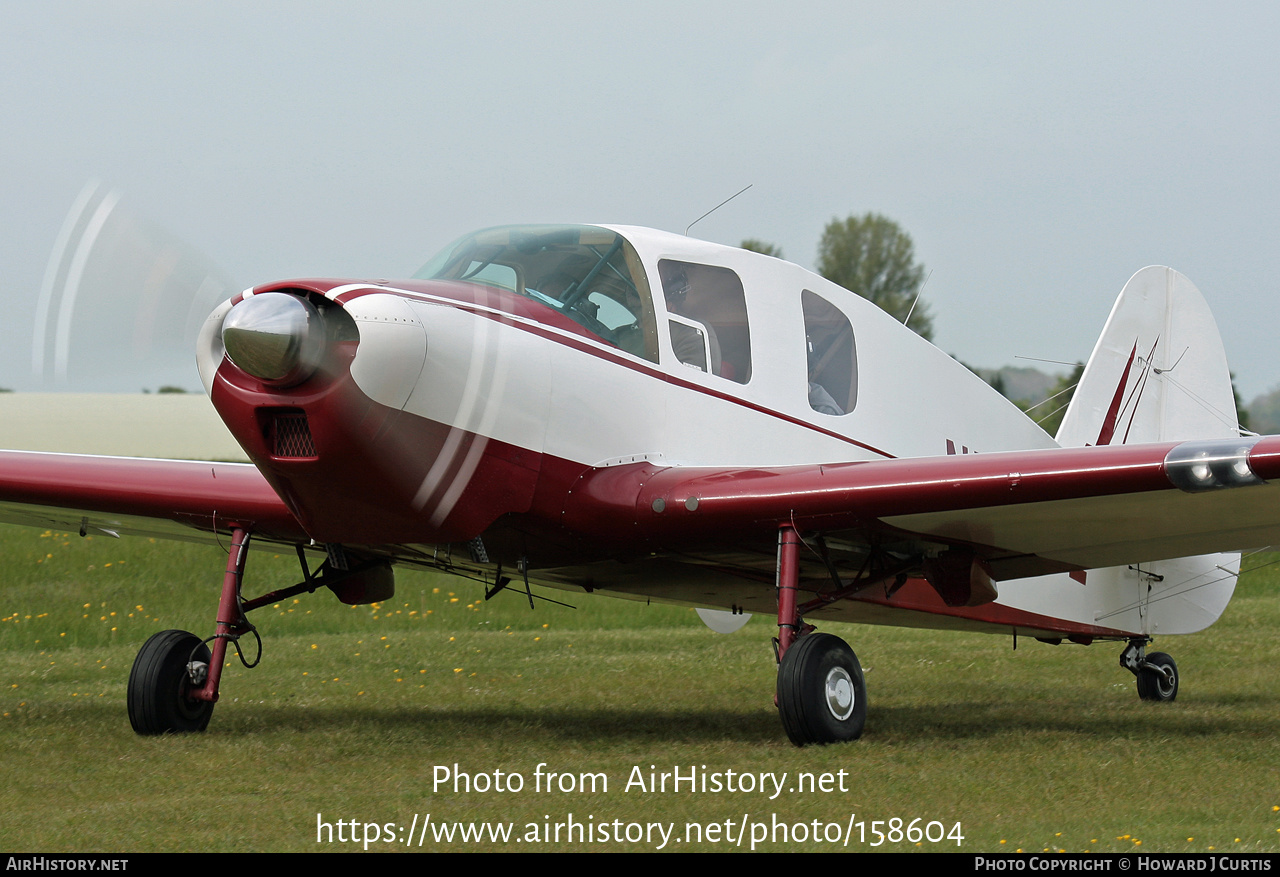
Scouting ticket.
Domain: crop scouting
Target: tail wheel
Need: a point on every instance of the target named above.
(1158, 678)
(822, 696)
(160, 685)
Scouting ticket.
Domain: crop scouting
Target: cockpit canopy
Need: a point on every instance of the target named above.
(591, 275)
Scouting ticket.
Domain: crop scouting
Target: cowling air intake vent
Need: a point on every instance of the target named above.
(288, 434)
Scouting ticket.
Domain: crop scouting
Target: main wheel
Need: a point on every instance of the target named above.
(160, 686)
(822, 696)
(1161, 683)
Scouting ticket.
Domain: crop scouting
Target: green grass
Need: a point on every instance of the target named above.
(354, 710)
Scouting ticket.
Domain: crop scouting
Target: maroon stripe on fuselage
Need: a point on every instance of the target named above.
(563, 330)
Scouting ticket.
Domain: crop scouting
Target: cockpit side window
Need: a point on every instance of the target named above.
(591, 275)
(832, 356)
(707, 317)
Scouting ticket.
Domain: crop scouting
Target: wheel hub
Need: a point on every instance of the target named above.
(839, 693)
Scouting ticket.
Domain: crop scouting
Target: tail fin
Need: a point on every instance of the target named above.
(1157, 373)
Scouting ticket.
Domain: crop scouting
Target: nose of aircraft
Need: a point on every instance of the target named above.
(276, 337)
(328, 387)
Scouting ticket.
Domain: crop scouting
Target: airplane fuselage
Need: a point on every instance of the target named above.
(473, 405)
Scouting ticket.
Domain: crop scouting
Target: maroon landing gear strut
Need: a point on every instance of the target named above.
(174, 682)
(821, 695)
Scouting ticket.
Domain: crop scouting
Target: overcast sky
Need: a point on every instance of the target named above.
(1038, 154)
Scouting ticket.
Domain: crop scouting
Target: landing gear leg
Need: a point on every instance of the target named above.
(821, 694)
(1157, 674)
(174, 682)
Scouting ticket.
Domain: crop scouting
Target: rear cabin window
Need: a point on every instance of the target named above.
(832, 355)
(591, 275)
(707, 317)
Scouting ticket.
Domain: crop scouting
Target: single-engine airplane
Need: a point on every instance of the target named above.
(634, 412)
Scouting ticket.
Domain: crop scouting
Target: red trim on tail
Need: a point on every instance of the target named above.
(1109, 422)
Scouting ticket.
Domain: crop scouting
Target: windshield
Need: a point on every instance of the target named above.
(591, 275)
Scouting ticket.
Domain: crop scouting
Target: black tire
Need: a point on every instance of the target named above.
(822, 696)
(159, 685)
(1155, 685)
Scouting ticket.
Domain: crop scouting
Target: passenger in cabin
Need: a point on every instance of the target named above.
(832, 356)
(820, 400)
(694, 341)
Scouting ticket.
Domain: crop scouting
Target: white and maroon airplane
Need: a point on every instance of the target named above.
(638, 413)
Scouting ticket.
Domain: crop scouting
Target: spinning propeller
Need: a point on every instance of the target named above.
(122, 299)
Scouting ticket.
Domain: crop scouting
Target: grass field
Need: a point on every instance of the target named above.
(355, 712)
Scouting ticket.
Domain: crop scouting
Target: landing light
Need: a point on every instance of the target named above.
(276, 337)
(1211, 464)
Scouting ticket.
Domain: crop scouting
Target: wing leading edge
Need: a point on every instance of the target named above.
(116, 495)
(1024, 513)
